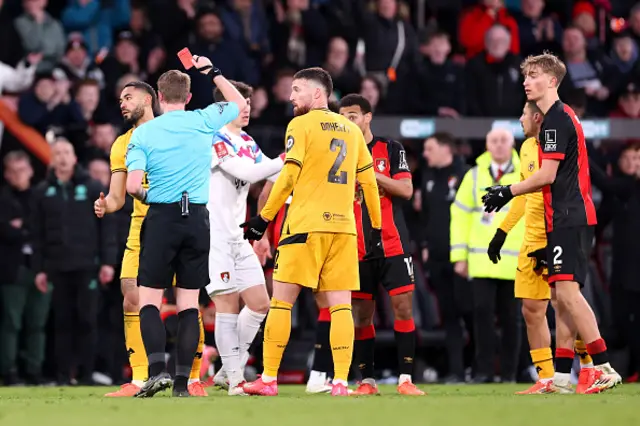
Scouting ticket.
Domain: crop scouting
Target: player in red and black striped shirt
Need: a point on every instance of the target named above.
(395, 270)
(570, 217)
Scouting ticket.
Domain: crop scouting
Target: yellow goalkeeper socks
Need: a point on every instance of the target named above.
(543, 361)
(135, 348)
(341, 338)
(197, 359)
(276, 336)
(581, 350)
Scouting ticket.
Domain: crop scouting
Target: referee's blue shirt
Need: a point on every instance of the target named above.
(174, 150)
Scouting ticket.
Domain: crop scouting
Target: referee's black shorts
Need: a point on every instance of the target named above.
(172, 244)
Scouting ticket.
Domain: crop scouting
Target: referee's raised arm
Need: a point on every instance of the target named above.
(228, 90)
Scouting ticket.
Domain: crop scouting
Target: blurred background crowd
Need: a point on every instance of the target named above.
(63, 64)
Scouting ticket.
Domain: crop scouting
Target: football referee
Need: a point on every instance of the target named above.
(174, 150)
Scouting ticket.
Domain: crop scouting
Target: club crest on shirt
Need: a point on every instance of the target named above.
(290, 142)
(224, 276)
(381, 164)
(531, 166)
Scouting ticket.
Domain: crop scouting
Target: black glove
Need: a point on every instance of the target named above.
(209, 70)
(496, 244)
(541, 258)
(496, 197)
(256, 227)
(375, 249)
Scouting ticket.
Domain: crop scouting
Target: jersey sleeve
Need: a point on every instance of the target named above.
(295, 143)
(555, 137)
(399, 167)
(136, 157)
(222, 150)
(220, 113)
(117, 157)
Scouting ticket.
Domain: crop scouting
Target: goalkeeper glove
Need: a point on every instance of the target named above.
(496, 244)
(375, 249)
(256, 227)
(496, 197)
(541, 258)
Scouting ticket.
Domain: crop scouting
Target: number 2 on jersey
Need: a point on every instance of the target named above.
(334, 175)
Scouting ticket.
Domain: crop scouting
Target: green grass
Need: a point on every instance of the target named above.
(478, 405)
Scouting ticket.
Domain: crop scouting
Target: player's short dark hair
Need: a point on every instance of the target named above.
(245, 90)
(548, 63)
(444, 138)
(174, 86)
(318, 75)
(533, 106)
(334, 106)
(145, 87)
(355, 99)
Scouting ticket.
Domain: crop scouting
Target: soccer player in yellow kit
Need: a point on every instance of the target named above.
(136, 103)
(531, 276)
(325, 153)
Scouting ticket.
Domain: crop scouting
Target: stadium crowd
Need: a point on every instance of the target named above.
(63, 64)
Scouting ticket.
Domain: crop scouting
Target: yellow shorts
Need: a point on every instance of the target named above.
(529, 283)
(131, 258)
(322, 261)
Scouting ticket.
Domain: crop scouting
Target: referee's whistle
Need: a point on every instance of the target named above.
(184, 204)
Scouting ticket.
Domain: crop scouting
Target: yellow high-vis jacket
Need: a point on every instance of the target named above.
(472, 229)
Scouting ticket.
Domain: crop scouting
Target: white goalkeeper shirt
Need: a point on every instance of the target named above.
(236, 163)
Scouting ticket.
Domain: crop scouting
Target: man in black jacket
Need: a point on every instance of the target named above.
(440, 182)
(69, 245)
(23, 308)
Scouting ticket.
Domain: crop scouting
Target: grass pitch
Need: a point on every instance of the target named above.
(467, 405)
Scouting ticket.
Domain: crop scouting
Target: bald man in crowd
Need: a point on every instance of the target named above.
(491, 284)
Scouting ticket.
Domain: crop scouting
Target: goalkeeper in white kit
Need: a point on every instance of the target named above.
(234, 268)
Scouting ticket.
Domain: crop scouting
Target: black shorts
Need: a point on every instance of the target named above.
(172, 244)
(568, 254)
(394, 273)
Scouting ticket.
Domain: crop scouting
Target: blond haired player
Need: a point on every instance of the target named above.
(531, 276)
(136, 103)
(570, 218)
(325, 153)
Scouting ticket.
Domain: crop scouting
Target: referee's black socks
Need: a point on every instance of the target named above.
(187, 345)
(154, 337)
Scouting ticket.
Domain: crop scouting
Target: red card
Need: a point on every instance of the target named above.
(185, 57)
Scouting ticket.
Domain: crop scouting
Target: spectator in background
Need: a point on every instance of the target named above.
(624, 56)
(172, 20)
(140, 28)
(18, 79)
(537, 32)
(440, 81)
(76, 64)
(96, 20)
(300, 34)
(25, 308)
(634, 23)
(10, 53)
(477, 20)
(154, 64)
(493, 79)
(63, 206)
(628, 103)
(259, 102)
(99, 171)
(87, 98)
(40, 33)
(584, 18)
(587, 70)
(279, 111)
(102, 137)
(48, 105)
(246, 24)
(210, 40)
(438, 186)
(492, 284)
(124, 60)
(371, 90)
(345, 79)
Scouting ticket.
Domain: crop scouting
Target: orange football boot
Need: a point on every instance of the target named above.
(366, 389)
(197, 389)
(408, 388)
(539, 387)
(128, 390)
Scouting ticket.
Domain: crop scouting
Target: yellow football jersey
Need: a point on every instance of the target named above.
(119, 164)
(330, 151)
(534, 211)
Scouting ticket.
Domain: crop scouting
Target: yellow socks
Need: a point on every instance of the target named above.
(341, 339)
(197, 360)
(543, 361)
(135, 348)
(276, 336)
(581, 350)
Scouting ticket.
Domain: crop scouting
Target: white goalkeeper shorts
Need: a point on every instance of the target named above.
(233, 268)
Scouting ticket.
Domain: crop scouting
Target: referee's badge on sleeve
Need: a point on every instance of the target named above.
(221, 150)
